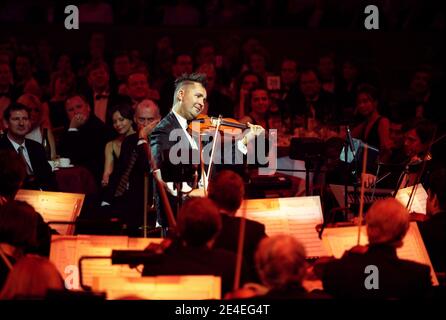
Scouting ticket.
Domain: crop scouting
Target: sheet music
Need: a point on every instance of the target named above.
(419, 198)
(160, 287)
(338, 240)
(297, 216)
(54, 206)
(67, 250)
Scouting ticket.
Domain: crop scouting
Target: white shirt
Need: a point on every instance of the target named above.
(183, 124)
(25, 151)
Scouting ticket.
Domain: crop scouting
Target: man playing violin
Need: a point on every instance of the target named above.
(172, 144)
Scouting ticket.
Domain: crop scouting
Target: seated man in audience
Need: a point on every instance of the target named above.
(85, 138)
(38, 172)
(376, 271)
(227, 191)
(138, 88)
(99, 97)
(433, 230)
(192, 253)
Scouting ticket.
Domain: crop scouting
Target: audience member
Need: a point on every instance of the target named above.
(126, 187)
(182, 64)
(39, 172)
(217, 103)
(40, 122)
(84, 140)
(123, 124)
(311, 102)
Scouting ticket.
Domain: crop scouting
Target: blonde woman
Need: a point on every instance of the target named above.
(39, 118)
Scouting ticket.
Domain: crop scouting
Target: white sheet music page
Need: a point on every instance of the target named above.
(54, 206)
(297, 216)
(419, 198)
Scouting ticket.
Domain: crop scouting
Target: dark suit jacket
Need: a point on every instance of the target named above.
(229, 236)
(160, 145)
(85, 147)
(345, 277)
(325, 107)
(433, 232)
(43, 176)
(180, 260)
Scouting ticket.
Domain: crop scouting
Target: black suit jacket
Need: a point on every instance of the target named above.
(433, 232)
(345, 278)
(325, 107)
(43, 176)
(181, 260)
(229, 236)
(166, 135)
(85, 147)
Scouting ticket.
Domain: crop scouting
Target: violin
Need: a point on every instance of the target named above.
(227, 125)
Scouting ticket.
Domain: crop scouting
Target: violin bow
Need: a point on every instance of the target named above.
(241, 240)
(361, 198)
(161, 189)
(214, 143)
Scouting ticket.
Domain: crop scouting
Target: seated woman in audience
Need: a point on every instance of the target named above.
(241, 88)
(122, 116)
(31, 278)
(39, 118)
(258, 104)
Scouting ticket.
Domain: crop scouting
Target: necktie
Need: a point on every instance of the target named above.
(29, 171)
(123, 182)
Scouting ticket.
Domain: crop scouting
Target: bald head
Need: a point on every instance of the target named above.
(387, 222)
(146, 112)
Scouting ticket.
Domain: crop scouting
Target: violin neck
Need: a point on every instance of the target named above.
(234, 125)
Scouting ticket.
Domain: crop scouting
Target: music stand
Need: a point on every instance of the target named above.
(309, 150)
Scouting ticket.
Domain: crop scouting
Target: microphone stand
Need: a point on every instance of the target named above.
(350, 144)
